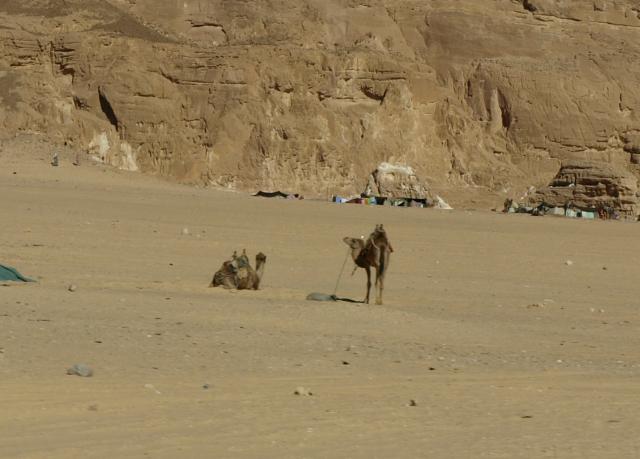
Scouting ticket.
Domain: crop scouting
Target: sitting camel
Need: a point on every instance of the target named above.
(237, 273)
(248, 278)
(225, 276)
(374, 252)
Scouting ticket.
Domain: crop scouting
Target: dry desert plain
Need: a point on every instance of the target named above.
(506, 350)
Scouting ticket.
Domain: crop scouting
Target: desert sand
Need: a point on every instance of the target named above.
(506, 350)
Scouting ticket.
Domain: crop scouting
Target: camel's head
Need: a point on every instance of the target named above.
(261, 258)
(355, 244)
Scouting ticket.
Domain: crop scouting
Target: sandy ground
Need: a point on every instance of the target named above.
(507, 351)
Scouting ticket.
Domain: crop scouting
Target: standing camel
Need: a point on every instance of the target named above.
(374, 252)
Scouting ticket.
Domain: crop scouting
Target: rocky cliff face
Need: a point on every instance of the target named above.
(311, 95)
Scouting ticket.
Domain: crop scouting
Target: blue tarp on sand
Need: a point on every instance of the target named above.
(7, 273)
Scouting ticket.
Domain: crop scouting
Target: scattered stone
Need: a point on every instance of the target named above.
(80, 369)
(344, 362)
(151, 387)
(526, 416)
(55, 161)
(412, 402)
(185, 231)
(315, 296)
(432, 369)
(604, 268)
(568, 263)
(302, 391)
(93, 407)
(205, 386)
(535, 305)
(72, 288)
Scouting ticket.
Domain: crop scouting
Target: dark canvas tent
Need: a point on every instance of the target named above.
(7, 273)
(277, 194)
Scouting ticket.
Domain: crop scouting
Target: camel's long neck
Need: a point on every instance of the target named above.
(355, 253)
(259, 268)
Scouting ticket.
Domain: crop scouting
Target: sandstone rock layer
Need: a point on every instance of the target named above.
(312, 95)
(396, 181)
(591, 185)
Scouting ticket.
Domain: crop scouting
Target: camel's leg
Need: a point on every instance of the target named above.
(380, 273)
(368, 269)
(228, 284)
(379, 286)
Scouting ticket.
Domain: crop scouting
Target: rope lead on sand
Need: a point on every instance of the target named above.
(335, 290)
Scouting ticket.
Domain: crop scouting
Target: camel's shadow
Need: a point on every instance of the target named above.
(349, 300)
(325, 297)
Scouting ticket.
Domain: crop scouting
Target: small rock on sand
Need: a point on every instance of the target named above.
(72, 288)
(153, 388)
(315, 296)
(80, 369)
(302, 391)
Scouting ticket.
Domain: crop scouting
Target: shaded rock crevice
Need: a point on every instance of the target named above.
(107, 109)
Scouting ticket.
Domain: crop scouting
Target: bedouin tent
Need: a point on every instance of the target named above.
(278, 194)
(7, 273)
